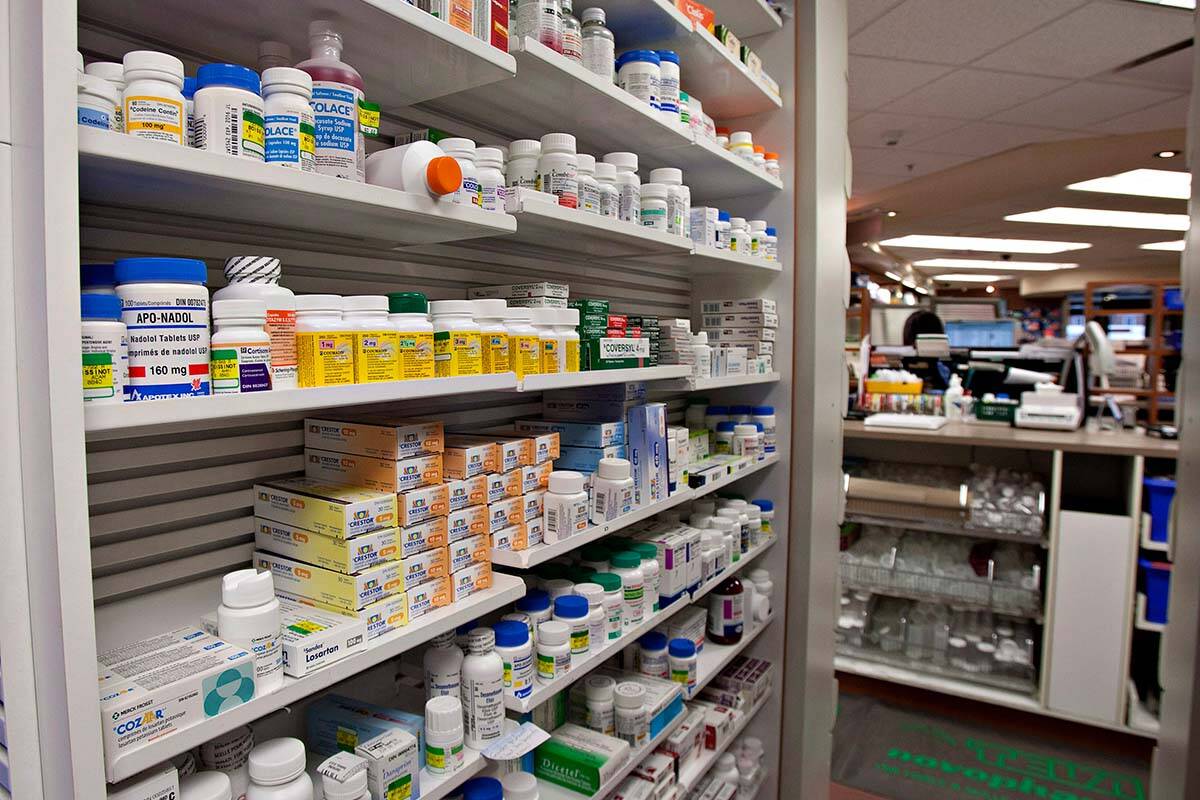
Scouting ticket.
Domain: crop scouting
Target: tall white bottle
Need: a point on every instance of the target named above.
(249, 617)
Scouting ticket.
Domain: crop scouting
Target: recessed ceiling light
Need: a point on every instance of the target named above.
(1166, 154)
(1104, 218)
(990, 290)
(891, 213)
(892, 275)
(969, 277)
(979, 263)
(1142, 183)
(983, 244)
(1177, 246)
(920, 290)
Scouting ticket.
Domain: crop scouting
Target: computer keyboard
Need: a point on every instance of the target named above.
(919, 421)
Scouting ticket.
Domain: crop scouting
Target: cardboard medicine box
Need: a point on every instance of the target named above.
(379, 437)
(423, 536)
(347, 556)
(342, 511)
(428, 596)
(513, 290)
(348, 592)
(465, 523)
(380, 617)
(418, 505)
(577, 434)
(470, 580)
(467, 456)
(471, 491)
(377, 474)
(579, 759)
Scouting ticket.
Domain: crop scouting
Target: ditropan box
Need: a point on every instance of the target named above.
(340, 555)
(377, 437)
(349, 592)
(393, 764)
(342, 511)
(376, 474)
(335, 723)
(418, 505)
(155, 687)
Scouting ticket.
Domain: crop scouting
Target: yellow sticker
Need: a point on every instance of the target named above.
(572, 355)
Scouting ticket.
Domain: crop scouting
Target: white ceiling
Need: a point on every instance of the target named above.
(956, 80)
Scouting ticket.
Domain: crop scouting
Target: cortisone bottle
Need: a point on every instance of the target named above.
(105, 344)
(409, 314)
(337, 90)
(524, 342)
(249, 617)
(257, 278)
(543, 320)
(240, 347)
(457, 340)
(376, 343)
(324, 345)
(289, 122)
(490, 314)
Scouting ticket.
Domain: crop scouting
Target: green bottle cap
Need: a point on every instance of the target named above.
(407, 303)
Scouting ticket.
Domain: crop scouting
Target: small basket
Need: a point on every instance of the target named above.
(996, 411)
(893, 387)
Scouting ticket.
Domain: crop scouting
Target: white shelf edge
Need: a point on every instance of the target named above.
(435, 787)
(704, 143)
(1141, 623)
(600, 377)
(710, 665)
(532, 556)
(711, 256)
(505, 589)
(694, 771)
(1146, 542)
(583, 224)
(708, 384)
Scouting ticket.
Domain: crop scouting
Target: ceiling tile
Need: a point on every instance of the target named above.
(974, 94)
(869, 129)
(876, 81)
(1082, 104)
(1096, 38)
(1164, 116)
(1172, 71)
(981, 139)
(862, 12)
(868, 182)
(954, 31)
(904, 163)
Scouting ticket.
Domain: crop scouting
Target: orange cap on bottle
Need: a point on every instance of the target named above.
(722, 131)
(443, 175)
(758, 148)
(769, 156)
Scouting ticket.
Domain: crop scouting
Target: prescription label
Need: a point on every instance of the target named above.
(469, 193)
(241, 367)
(561, 181)
(325, 359)
(281, 327)
(168, 343)
(105, 365)
(457, 353)
(339, 145)
(157, 118)
(94, 118)
(550, 363)
(495, 353)
(415, 350)
(98, 376)
(526, 355)
(376, 356)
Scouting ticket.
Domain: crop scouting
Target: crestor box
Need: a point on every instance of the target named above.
(379, 437)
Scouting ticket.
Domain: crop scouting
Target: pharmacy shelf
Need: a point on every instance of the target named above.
(552, 791)
(946, 598)
(711, 261)
(1006, 683)
(505, 589)
(130, 417)
(1140, 719)
(601, 377)
(947, 528)
(404, 55)
(746, 17)
(540, 553)
(710, 384)
(716, 657)
(214, 191)
(1141, 623)
(584, 663)
(693, 771)
(714, 173)
(435, 787)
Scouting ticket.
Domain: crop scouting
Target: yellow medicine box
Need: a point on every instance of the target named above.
(380, 617)
(346, 556)
(379, 474)
(343, 511)
(392, 438)
(348, 592)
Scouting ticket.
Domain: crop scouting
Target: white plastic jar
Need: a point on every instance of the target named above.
(543, 320)
(457, 339)
(741, 144)
(768, 515)
(376, 343)
(463, 151)
(164, 305)
(668, 86)
(739, 236)
(710, 554)
(650, 570)
(771, 164)
(652, 655)
(742, 532)
(553, 650)
(566, 506)
(112, 73)
(519, 786)
(632, 722)
(489, 166)
(482, 689)
(589, 188)
(522, 170)
(324, 345)
(524, 342)
(240, 347)
(535, 605)
(702, 369)
(770, 245)
(654, 206)
(599, 46)
(207, 785)
(408, 313)
(758, 233)
(558, 170)
(230, 753)
(289, 123)
(229, 111)
(629, 186)
(96, 103)
(442, 664)
(597, 619)
(277, 771)
(639, 73)
(612, 490)
(696, 117)
(444, 734)
(516, 651)
(679, 199)
(249, 617)
(614, 603)
(566, 331)
(152, 104)
(105, 349)
(419, 167)
(557, 587)
(765, 416)
(628, 565)
(754, 515)
(763, 583)
(257, 278)
(681, 657)
(745, 441)
(610, 195)
(343, 776)
(724, 230)
(573, 610)
(490, 314)
(599, 694)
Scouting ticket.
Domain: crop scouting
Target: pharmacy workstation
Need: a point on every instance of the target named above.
(433, 431)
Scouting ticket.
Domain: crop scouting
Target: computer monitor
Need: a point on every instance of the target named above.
(971, 333)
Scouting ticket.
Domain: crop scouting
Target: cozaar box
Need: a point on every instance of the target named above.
(387, 438)
(377, 474)
(348, 592)
(340, 555)
(342, 511)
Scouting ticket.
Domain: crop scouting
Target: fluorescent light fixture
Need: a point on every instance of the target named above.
(892, 275)
(1142, 183)
(920, 290)
(1176, 246)
(983, 244)
(1170, 3)
(979, 263)
(969, 277)
(1104, 218)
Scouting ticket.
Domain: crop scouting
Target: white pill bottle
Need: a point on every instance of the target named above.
(289, 122)
(240, 347)
(482, 689)
(153, 106)
(489, 166)
(629, 186)
(112, 73)
(558, 169)
(249, 617)
(257, 278)
(419, 167)
(463, 151)
(277, 771)
(105, 346)
(229, 111)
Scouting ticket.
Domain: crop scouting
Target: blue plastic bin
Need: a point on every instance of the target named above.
(1173, 299)
(1159, 494)
(1157, 578)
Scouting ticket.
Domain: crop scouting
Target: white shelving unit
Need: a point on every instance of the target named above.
(601, 377)
(709, 260)
(715, 657)
(746, 17)
(1141, 623)
(709, 384)
(697, 768)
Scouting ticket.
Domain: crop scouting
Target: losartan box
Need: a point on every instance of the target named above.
(349, 592)
(379, 617)
(342, 511)
(155, 687)
(579, 759)
(379, 437)
(340, 555)
(311, 637)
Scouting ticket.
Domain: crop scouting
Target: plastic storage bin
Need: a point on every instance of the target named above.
(1157, 578)
(1160, 492)
(1173, 299)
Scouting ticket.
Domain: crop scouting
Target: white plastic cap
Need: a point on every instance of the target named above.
(594, 15)
(343, 776)
(98, 87)
(746, 764)
(737, 502)
(161, 66)
(543, 316)
(518, 314)
(668, 175)
(658, 190)
(585, 164)
(737, 222)
(622, 160)
(726, 762)
(753, 745)
(759, 575)
(481, 641)
(239, 309)
(758, 225)
(566, 482)
(503, 148)
(366, 302)
(446, 307)
(701, 521)
(606, 171)
(599, 687)
(443, 715)
(323, 29)
(613, 469)
(489, 157)
(253, 269)
(709, 538)
(553, 632)
(630, 695)
(741, 137)
(319, 302)
(594, 593)
(524, 147)
(458, 147)
(567, 316)
(108, 70)
(79, 62)
(286, 79)
(246, 588)
(205, 786)
(270, 49)
(558, 143)
(700, 338)
(519, 786)
(729, 513)
(491, 308)
(743, 430)
(277, 761)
